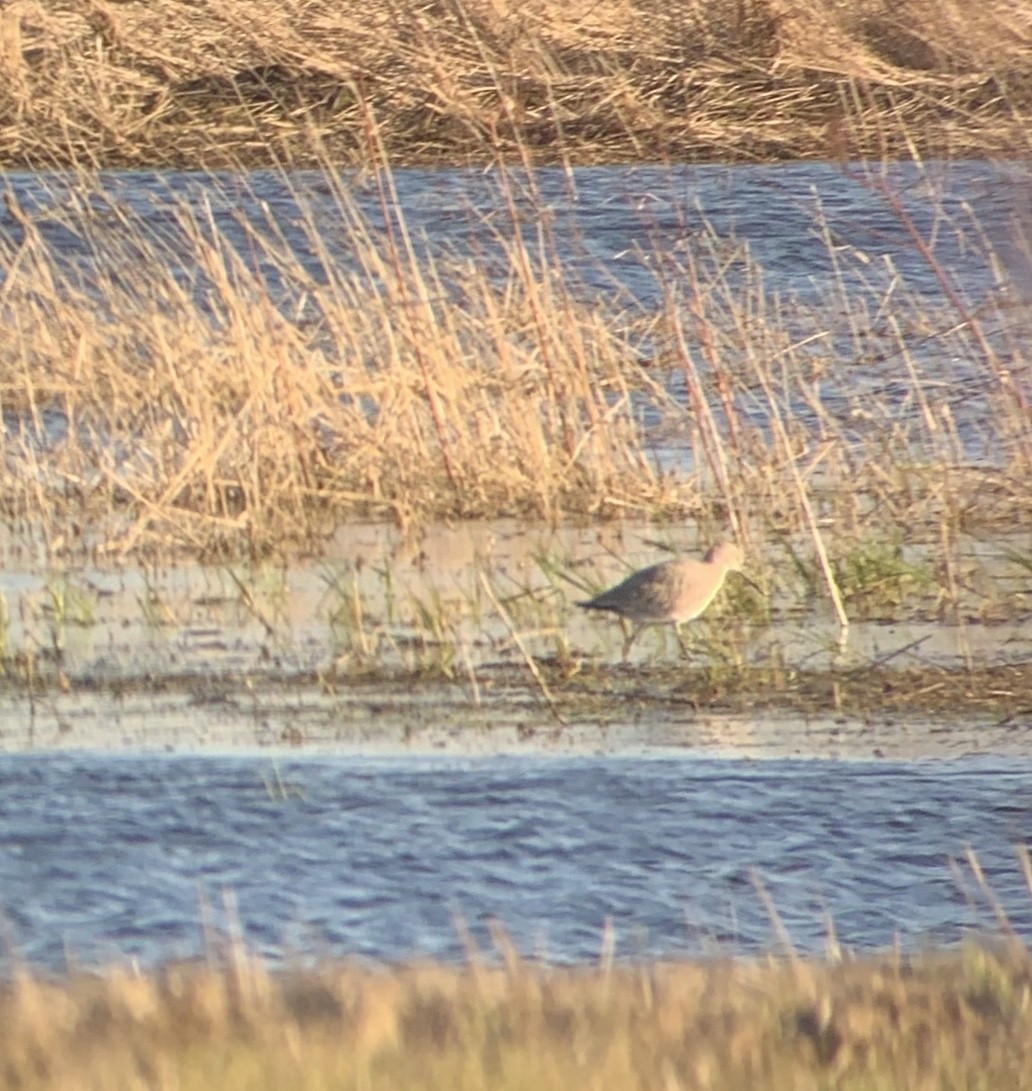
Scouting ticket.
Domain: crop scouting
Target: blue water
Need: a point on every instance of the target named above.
(616, 230)
(103, 857)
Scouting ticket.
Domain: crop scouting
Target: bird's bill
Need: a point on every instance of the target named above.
(751, 582)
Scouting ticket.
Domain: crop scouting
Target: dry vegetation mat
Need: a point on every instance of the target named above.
(956, 1020)
(243, 82)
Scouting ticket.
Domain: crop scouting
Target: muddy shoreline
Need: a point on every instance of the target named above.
(384, 646)
(956, 714)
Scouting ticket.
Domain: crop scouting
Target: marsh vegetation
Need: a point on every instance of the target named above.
(241, 397)
(185, 385)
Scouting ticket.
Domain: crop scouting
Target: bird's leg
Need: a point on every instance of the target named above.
(682, 643)
(629, 639)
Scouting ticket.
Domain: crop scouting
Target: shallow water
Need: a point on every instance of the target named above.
(104, 857)
(420, 600)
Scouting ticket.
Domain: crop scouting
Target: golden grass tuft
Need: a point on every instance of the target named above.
(222, 422)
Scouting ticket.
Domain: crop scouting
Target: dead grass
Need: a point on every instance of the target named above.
(934, 1021)
(212, 422)
(94, 83)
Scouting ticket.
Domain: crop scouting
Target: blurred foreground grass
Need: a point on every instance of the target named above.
(961, 1019)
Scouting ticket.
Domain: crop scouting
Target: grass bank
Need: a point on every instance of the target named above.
(88, 83)
(956, 1020)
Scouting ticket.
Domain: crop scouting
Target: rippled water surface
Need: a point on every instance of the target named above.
(103, 857)
(609, 224)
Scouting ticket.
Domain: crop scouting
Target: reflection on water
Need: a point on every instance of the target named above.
(103, 856)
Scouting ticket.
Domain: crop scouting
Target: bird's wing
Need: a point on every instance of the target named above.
(644, 596)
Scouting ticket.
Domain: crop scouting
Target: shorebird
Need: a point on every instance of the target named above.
(671, 592)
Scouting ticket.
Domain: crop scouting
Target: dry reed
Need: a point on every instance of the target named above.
(215, 415)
